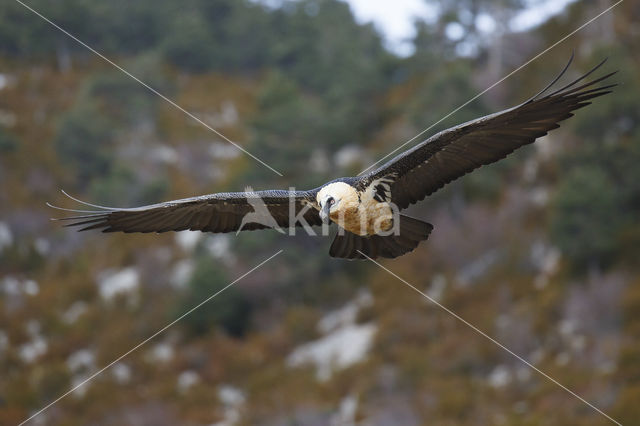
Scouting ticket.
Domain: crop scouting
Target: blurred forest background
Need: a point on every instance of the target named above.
(540, 250)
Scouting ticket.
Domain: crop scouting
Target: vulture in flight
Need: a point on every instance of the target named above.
(365, 208)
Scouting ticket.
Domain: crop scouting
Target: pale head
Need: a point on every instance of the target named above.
(334, 198)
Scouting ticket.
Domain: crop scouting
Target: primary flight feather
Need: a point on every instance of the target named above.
(364, 207)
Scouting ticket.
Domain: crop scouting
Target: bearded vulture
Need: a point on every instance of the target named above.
(365, 208)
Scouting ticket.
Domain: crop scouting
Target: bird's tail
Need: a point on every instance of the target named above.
(352, 246)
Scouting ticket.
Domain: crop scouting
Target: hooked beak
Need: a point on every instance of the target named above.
(324, 213)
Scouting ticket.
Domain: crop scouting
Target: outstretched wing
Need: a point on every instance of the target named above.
(221, 212)
(446, 156)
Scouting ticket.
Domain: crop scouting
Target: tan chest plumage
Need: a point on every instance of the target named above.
(358, 213)
(367, 219)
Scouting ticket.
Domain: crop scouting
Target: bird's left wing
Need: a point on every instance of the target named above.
(222, 212)
(446, 156)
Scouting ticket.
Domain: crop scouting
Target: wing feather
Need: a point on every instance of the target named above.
(450, 154)
(222, 212)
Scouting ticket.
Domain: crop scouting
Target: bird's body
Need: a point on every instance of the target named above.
(366, 208)
(358, 212)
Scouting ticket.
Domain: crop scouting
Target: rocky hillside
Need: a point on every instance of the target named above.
(538, 251)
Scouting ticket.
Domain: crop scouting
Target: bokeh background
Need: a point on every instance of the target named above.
(540, 251)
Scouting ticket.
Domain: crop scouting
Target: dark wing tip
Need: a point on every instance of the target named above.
(87, 222)
(570, 87)
(555, 80)
(95, 219)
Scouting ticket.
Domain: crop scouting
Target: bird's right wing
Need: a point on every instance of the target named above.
(222, 212)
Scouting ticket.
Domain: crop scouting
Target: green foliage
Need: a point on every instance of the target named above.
(117, 25)
(285, 115)
(191, 47)
(311, 39)
(616, 116)
(232, 23)
(587, 220)
(121, 98)
(321, 47)
(596, 207)
(230, 310)
(108, 105)
(121, 186)
(8, 143)
(82, 142)
(21, 33)
(442, 91)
